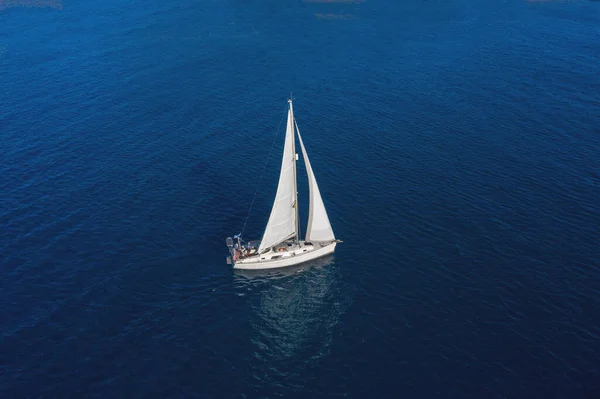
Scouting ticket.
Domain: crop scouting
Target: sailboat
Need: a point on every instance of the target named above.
(281, 245)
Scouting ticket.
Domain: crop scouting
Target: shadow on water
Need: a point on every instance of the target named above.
(294, 313)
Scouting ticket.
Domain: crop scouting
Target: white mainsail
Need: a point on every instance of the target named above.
(282, 221)
(319, 228)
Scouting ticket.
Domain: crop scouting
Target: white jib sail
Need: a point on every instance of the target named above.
(282, 222)
(319, 228)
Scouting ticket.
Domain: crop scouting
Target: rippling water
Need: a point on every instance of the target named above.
(456, 145)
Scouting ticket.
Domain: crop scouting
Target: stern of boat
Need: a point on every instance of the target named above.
(229, 243)
(240, 249)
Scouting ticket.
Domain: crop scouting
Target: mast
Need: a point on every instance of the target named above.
(295, 178)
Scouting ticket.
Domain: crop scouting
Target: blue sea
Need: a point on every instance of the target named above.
(456, 145)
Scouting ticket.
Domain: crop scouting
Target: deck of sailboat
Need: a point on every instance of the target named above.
(286, 254)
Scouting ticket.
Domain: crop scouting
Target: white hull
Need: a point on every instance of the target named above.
(291, 258)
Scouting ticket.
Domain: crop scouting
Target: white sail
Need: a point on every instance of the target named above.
(319, 228)
(282, 222)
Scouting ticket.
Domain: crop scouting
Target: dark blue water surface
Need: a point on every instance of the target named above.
(457, 147)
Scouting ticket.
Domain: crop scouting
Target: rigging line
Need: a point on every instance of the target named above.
(263, 172)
